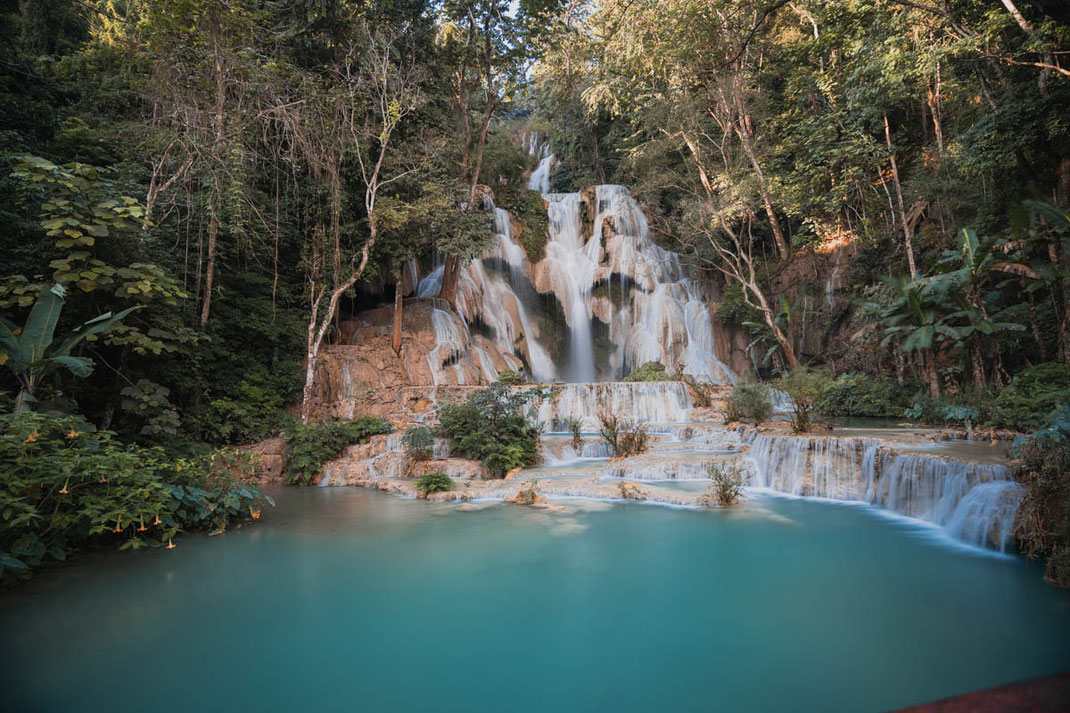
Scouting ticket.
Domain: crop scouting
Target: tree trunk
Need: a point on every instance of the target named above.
(1062, 188)
(778, 333)
(1035, 324)
(209, 271)
(907, 230)
(778, 234)
(451, 274)
(398, 300)
(932, 376)
(487, 114)
(977, 362)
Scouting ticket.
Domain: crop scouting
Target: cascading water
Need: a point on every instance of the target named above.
(571, 264)
(973, 502)
(658, 313)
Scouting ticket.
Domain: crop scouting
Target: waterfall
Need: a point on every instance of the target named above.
(640, 293)
(540, 177)
(571, 264)
(650, 402)
(973, 502)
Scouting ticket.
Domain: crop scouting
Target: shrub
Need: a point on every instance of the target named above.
(419, 443)
(650, 371)
(967, 408)
(802, 387)
(575, 425)
(309, 446)
(491, 427)
(510, 378)
(1032, 395)
(253, 411)
(727, 488)
(1043, 524)
(863, 396)
(703, 393)
(622, 437)
(749, 399)
(529, 494)
(434, 483)
(66, 487)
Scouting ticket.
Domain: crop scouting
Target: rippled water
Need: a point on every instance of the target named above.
(343, 599)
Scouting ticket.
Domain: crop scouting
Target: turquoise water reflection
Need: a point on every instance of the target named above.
(349, 600)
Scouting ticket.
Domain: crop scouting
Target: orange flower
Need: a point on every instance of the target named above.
(64, 491)
(73, 433)
(117, 528)
(254, 513)
(170, 545)
(34, 435)
(102, 479)
(142, 528)
(157, 521)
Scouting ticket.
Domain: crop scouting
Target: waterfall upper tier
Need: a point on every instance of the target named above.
(602, 300)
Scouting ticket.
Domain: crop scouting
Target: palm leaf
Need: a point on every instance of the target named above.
(40, 326)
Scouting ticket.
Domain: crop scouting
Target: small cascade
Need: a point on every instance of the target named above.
(540, 177)
(557, 452)
(973, 502)
(649, 402)
(451, 338)
(986, 514)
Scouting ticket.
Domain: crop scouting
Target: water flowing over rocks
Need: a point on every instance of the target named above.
(602, 300)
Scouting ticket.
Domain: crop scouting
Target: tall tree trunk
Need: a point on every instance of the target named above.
(932, 376)
(209, 271)
(767, 201)
(218, 123)
(1038, 336)
(478, 168)
(398, 300)
(908, 232)
(451, 273)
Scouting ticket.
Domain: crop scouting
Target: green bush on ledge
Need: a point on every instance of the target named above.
(650, 371)
(434, 483)
(309, 446)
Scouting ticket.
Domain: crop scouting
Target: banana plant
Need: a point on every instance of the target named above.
(33, 353)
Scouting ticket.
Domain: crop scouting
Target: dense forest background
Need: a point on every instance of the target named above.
(246, 173)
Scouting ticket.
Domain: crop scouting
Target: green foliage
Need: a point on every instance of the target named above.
(252, 412)
(510, 378)
(419, 443)
(147, 402)
(727, 488)
(65, 487)
(309, 446)
(802, 387)
(749, 400)
(969, 408)
(861, 395)
(530, 211)
(650, 371)
(31, 351)
(1043, 523)
(1033, 394)
(434, 483)
(490, 426)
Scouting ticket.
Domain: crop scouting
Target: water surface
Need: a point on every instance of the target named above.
(343, 599)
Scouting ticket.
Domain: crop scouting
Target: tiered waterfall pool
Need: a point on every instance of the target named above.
(347, 599)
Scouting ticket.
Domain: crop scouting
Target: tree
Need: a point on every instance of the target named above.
(391, 84)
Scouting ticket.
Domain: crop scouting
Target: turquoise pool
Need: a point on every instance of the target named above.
(344, 599)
